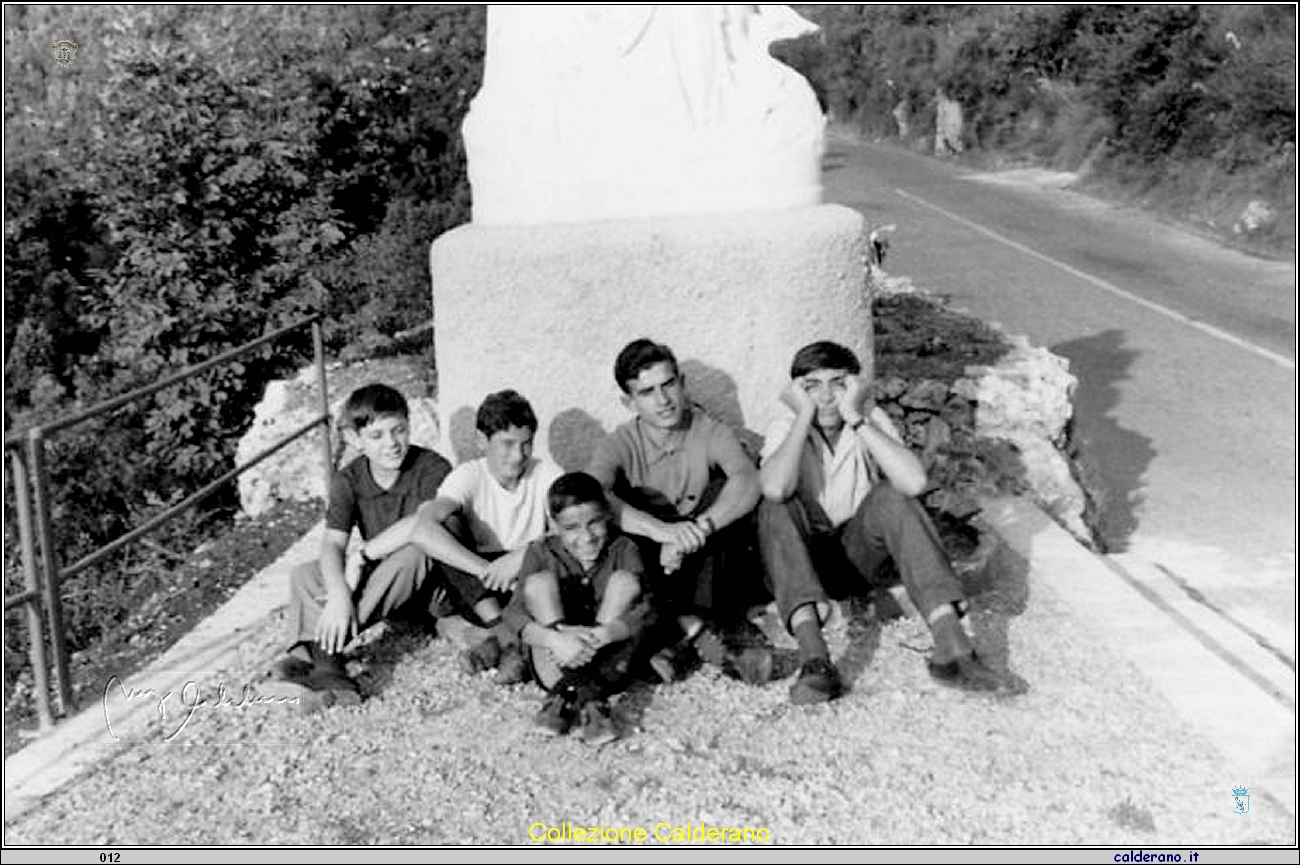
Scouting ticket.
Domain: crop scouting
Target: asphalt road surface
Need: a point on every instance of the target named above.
(1185, 354)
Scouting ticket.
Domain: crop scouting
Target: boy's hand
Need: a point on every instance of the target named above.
(502, 573)
(686, 536)
(670, 558)
(852, 400)
(797, 398)
(337, 624)
(570, 649)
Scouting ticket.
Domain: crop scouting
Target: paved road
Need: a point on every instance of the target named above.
(1185, 354)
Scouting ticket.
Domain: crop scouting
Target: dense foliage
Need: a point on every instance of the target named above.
(197, 177)
(1194, 102)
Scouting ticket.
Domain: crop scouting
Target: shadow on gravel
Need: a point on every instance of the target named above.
(865, 624)
(380, 655)
(998, 592)
(630, 707)
(1110, 460)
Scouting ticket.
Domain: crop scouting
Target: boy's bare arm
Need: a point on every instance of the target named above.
(870, 424)
(686, 536)
(391, 539)
(740, 493)
(779, 474)
(430, 535)
(338, 621)
(567, 645)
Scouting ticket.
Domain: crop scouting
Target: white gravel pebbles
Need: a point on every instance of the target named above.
(1089, 755)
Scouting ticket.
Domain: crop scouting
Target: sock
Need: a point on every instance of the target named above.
(812, 644)
(950, 640)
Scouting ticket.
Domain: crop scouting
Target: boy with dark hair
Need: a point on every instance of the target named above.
(679, 479)
(486, 512)
(383, 487)
(839, 485)
(581, 607)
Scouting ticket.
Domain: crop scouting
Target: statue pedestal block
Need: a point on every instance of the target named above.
(544, 309)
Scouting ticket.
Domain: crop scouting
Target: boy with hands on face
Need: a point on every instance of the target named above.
(838, 486)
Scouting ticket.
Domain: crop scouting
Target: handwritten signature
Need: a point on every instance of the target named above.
(191, 699)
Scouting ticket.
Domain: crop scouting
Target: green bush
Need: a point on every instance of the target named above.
(198, 177)
(1162, 83)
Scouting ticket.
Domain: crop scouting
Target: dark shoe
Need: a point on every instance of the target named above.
(291, 668)
(512, 668)
(969, 673)
(597, 724)
(556, 715)
(711, 647)
(819, 682)
(752, 665)
(323, 688)
(483, 656)
(742, 653)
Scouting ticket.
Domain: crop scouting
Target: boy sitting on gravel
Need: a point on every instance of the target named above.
(680, 480)
(487, 511)
(581, 608)
(838, 486)
(382, 487)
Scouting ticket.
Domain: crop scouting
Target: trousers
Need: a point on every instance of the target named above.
(803, 566)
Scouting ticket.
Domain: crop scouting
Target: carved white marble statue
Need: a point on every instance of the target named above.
(606, 112)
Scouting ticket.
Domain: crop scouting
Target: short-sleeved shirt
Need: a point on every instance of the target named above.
(356, 500)
(499, 519)
(581, 590)
(668, 480)
(832, 482)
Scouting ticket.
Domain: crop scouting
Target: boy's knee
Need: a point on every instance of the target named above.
(539, 586)
(624, 583)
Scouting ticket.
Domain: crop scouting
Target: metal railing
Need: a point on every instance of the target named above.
(30, 480)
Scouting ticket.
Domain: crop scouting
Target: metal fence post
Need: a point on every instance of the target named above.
(318, 346)
(35, 625)
(49, 567)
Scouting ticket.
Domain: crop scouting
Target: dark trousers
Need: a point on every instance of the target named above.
(807, 567)
(718, 582)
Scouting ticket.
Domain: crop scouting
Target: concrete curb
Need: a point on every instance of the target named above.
(1239, 695)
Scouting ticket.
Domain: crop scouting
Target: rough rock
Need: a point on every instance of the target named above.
(1025, 399)
(296, 473)
(947, 125)
(1258, 215)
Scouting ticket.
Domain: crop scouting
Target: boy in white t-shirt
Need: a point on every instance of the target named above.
(485, 514)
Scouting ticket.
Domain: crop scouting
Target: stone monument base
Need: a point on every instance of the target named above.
(545, 309)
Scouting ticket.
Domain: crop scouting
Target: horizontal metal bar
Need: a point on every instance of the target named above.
(118, 401)
(22, 598)
(144, 529)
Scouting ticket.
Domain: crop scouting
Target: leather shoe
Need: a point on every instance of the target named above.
(818, 682)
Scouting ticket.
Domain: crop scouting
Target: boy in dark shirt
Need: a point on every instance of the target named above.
(581, 608)
(383, 486)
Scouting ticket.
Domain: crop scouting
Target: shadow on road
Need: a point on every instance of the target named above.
(1111, 460)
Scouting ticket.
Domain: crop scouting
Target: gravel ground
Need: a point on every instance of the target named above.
(1089, 755)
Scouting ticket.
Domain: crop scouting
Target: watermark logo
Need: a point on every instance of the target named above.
(65, 50)
(1241, 800)
(169, 710)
